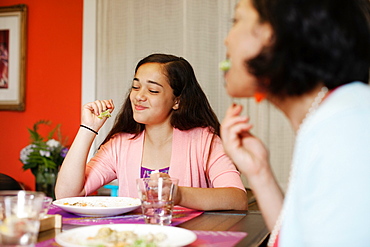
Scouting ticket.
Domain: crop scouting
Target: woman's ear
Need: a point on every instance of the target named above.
(176, 104)
(266, 33)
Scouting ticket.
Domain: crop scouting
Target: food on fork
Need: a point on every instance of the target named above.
(105, 113)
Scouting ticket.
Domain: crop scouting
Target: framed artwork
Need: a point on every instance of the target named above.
(12, 57)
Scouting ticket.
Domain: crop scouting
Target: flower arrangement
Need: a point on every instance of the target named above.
(43, 153)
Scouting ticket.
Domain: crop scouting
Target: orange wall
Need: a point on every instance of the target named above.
(53, 79)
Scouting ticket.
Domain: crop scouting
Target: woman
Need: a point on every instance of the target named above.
(311, 60)
(166, 124)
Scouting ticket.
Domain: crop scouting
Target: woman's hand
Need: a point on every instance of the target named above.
(92, 110)
(247, 152)
(251, 157)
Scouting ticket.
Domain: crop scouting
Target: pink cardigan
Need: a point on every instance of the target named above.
(197, 160)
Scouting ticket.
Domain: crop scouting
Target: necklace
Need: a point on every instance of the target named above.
(315, 104)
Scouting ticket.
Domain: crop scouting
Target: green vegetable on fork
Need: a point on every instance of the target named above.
(225, 65)
(104, 114)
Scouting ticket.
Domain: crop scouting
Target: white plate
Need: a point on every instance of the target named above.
(98, 205)
(175, 236)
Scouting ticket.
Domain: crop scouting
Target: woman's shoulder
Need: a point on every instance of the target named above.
(350, 97)
(354, 89)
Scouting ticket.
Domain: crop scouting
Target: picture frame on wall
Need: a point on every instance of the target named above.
(13, 20)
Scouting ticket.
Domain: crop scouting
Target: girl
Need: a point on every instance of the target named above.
(166, 124)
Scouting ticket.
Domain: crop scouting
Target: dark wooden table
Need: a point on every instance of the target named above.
(241, 221)
(250, 222)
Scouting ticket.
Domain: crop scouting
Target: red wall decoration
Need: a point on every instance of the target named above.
(53, 79)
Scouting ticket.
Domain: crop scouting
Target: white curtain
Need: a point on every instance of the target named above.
(128, 30)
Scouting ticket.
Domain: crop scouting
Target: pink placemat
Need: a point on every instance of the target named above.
(180, 215)
(204, 239)
(217, 238)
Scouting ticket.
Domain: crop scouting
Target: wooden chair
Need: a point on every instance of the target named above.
(9, 183)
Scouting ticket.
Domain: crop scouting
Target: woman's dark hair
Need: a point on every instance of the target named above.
(194, 109)
(315, 41)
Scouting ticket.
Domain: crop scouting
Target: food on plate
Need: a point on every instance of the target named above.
(112, 238)
(105, 114)
(225, 65)
(83, 204)
(101, 203)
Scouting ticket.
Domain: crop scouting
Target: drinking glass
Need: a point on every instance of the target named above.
(157, 199)
(45, 206)
(19, 217)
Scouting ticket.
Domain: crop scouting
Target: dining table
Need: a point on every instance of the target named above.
(213, 228)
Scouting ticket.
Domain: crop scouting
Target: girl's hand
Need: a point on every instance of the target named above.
(247, 152)
(91, 111)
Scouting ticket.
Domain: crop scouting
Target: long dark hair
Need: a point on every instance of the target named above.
(193, 111)
(315, 41)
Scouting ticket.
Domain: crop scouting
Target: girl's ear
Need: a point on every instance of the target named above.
(176, 104)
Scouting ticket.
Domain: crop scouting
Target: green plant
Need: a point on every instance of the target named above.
(46, 152)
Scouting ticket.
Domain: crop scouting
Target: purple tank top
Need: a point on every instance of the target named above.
(145, 172)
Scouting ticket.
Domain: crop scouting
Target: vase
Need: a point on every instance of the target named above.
(45, 181)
